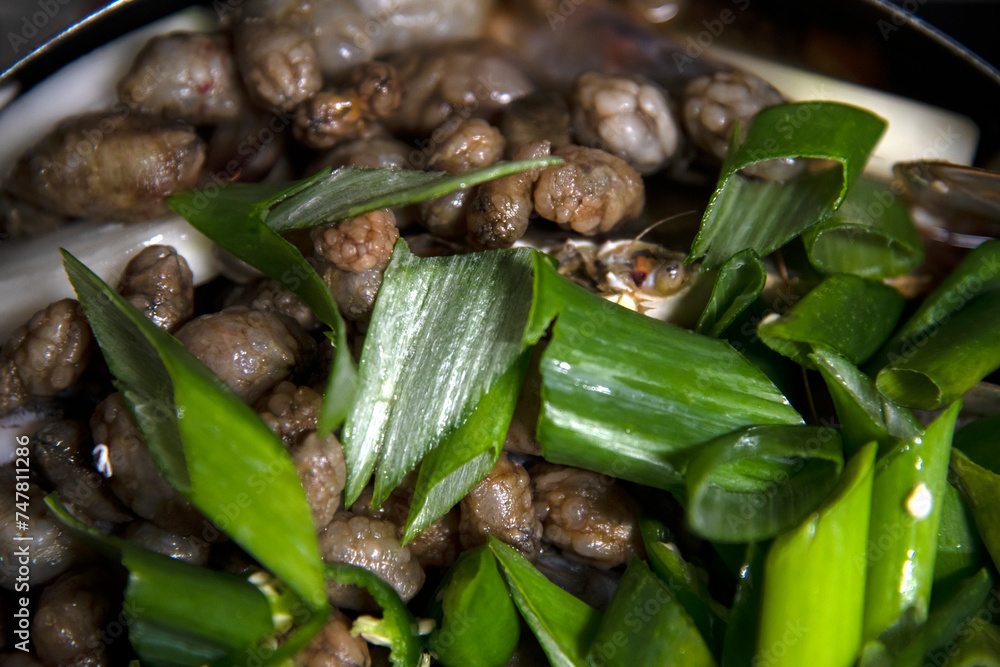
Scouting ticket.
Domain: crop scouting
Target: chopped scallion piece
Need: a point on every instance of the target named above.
(751, 212)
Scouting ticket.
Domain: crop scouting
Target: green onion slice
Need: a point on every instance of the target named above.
(563, 625)
(646, 625)
(398, 628)
(350, 191)
(763, 215)
(850, 315)
(219, 454)
(444, 331)
(756, 482)
(478, 622)
(629, 396)
(814, 589)
(871, 235)
(951, 360)
(910, 483)
(739, 282)
(981, 490)
(863, 412)
(220, 617)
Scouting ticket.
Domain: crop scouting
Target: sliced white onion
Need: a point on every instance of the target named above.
(916, 131)
(31, 271)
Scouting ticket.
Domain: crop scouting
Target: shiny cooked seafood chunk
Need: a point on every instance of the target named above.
(44, 356)
(286, 47)
(159, 283)
(250, 350)
(72, 614)
(335, 646)
(132, 473)
(374, 545)
(188, 76)
(108, 166)
(586, 514)
(591, 193)
(627, 116)
(501, 506)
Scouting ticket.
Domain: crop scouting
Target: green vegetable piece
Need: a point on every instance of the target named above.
(978, 274)
(233, 217)
(478, 623)
(220, 615)
(465, 455)
(739, 645)
(910, 483)
(863, 412)
(629, 396)
(563, 625)
(980, 441)
(871, 235)
(350, 191)
(961, 352)
(952, 341)
(443, 333)
(953, 623)
(398, 628)
(237, 471)
(763, 215)
(981, 490)
(960, 551)
(739, 282)
(850, 315)
(646, 625)
(680, 577)
(756, 482)
(814, 591)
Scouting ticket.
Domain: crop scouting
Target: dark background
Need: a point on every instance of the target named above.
(972, 22)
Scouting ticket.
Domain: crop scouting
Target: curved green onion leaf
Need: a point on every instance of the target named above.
(871, 235)
(960, 352)
(764, 215)
(960, 550)
(629, 396)
(350, 191)
(910, 483)
(237, 472)
(680, 578)
(952, 624)
(645, 625)
(864, 414)
(443, 333)
(814, 589)
(233, 217)
(739, 282)
(981, 490)
(478, 622)
(398, 626)
(467, 454)
(978, 274)
(563, 624)
(850, 315)
(220, 615)
(756, 482)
